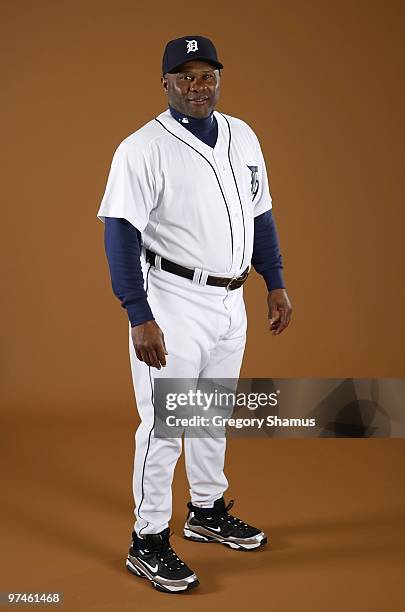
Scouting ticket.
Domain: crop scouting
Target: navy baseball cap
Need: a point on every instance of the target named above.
(189, 48)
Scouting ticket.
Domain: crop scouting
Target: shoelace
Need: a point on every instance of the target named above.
(166, 555)
(233, 520)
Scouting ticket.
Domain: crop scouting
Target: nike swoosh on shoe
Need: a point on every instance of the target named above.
(213, 528)
(152, 569)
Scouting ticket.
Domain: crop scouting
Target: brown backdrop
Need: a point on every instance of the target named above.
(322, 85)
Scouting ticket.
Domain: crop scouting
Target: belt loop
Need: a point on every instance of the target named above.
(200, 276)
(158, 263)
(196, 277)
(203, 278)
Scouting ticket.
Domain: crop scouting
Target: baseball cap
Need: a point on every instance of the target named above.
(189, 48)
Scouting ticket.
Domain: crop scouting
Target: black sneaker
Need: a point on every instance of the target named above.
(216, 525)
(152, 557)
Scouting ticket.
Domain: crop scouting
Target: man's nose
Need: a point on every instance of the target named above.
(198, 84)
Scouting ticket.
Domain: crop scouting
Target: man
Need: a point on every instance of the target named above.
(187, 210)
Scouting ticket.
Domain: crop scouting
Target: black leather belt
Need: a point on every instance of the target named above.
(217, 281)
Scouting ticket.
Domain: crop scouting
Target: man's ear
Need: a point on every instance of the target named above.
(164, 82)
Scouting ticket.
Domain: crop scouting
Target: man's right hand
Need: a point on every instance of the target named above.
(149, 344)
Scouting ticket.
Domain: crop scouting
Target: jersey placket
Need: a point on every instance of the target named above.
(219, 160)
(224, 171)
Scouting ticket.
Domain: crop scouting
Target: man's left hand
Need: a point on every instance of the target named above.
(279, 310)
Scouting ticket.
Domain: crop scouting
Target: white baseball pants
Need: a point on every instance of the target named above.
(205, 333)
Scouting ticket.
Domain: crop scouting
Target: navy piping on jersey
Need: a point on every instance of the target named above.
(237, 189)
(216, 176)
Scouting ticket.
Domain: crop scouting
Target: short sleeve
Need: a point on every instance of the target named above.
(262, 200)
(130, 190)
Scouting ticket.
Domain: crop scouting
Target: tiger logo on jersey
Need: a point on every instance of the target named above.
(254, 180)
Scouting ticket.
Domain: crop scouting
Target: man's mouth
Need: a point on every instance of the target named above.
(201, 100)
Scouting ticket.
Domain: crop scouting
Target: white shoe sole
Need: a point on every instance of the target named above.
(198, 537)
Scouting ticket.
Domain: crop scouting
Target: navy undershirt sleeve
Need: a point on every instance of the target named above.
(122, 245)
(266, 258)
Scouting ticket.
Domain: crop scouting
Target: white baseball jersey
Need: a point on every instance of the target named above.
(194, 204)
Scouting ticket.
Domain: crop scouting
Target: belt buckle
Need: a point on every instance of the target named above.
(238, 279)
(229, 285)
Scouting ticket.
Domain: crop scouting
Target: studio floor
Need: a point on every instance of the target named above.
(334, 511)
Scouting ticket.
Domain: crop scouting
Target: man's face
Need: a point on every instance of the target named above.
(194, 90)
